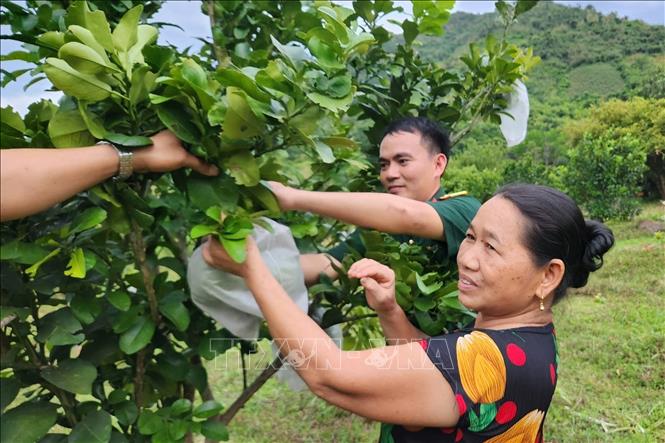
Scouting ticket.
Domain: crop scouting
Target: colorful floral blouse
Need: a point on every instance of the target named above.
(503, 381)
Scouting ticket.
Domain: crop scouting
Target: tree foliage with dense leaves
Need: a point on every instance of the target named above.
(99, 335)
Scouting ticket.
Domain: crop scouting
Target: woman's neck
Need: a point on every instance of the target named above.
(529, 318)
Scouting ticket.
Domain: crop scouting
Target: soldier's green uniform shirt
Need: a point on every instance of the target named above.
(456, 213)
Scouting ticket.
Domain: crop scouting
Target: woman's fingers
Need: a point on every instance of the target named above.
(370, 268)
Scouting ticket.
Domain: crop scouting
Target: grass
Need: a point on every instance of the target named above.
(611, 384)
(598, 79)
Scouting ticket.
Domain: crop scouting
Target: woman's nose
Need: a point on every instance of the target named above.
(467, 258)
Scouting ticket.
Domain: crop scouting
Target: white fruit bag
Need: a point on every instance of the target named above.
(513, 126)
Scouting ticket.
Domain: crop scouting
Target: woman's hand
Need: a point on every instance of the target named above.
(285, 195)
(215, 255)
(379, 283)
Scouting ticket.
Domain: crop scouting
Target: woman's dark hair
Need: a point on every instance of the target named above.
(435, 137)
(556, 229)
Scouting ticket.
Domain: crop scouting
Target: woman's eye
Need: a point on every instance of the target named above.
(490, 247)
(468, 236)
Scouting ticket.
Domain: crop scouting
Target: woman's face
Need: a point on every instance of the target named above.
(497, 275)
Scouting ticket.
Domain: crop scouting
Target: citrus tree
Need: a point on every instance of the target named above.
(99, 335)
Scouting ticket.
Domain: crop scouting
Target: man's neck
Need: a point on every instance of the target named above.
(432, 195)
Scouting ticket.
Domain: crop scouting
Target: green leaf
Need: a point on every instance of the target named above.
(339, 142)
(181, 406)
(92, 122)
(23, 253)
(523, 6)
(67, 129)
(205, 192)
(94, 428)
(52, 39)
(214, 213)
(339, 86)
(240, 122)
(179, 121)
(237, 249)
(178, 429)
(126, 412)
(207, 409)
(89, 40)
(324, 151)
(264, 196)
(505, 10)
(133, 141)
(330, 103)
(236, 78)
(86, 307)
(175, 311)
(27, 422)
(72, 82)
(149, 422)
(143, 82)
(145, 35)
(120, 300)
(74, 376)
(326, 56)
(215, 430)
(59, 328)
(11, 119)
(125, 34)
(79, 14)
(88, 219)
(138, 336)
(9, 388)
(243, 167)
(202, 230)
(76, 264)
(424, 303)
(32, 270)
(83, 58)
(295, 55)
(194, 74)
(410, 31)
(144, 219)
(427, 289)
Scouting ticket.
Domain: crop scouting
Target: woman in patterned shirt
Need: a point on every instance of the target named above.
(490, 382)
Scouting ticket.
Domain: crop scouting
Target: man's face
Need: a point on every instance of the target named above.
(408, 168)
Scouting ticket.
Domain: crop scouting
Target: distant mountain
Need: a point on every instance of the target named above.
(583, 52)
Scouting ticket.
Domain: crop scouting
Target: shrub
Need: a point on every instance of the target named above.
(604, 175)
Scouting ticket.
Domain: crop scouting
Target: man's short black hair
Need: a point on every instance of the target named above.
(434, 137)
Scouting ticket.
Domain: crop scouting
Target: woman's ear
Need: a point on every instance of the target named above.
(552, 276)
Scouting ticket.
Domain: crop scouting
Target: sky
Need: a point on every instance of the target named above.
(188, 15)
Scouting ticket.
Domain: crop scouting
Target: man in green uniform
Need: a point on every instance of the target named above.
(413, 156)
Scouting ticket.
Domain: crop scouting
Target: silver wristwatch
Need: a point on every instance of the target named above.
(125, 161)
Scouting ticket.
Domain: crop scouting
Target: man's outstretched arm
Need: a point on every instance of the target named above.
(384, 212)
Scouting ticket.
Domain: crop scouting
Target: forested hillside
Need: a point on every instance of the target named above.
(587, 59)
(582, 51)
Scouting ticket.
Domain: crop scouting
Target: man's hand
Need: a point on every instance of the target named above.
(216, 256)
(167, 154)
(285, 195)
(379, 283)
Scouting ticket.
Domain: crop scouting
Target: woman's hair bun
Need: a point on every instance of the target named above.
(599, 240)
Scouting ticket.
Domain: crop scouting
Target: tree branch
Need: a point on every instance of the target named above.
(220, 53)
(268, 372)
(147, 272)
